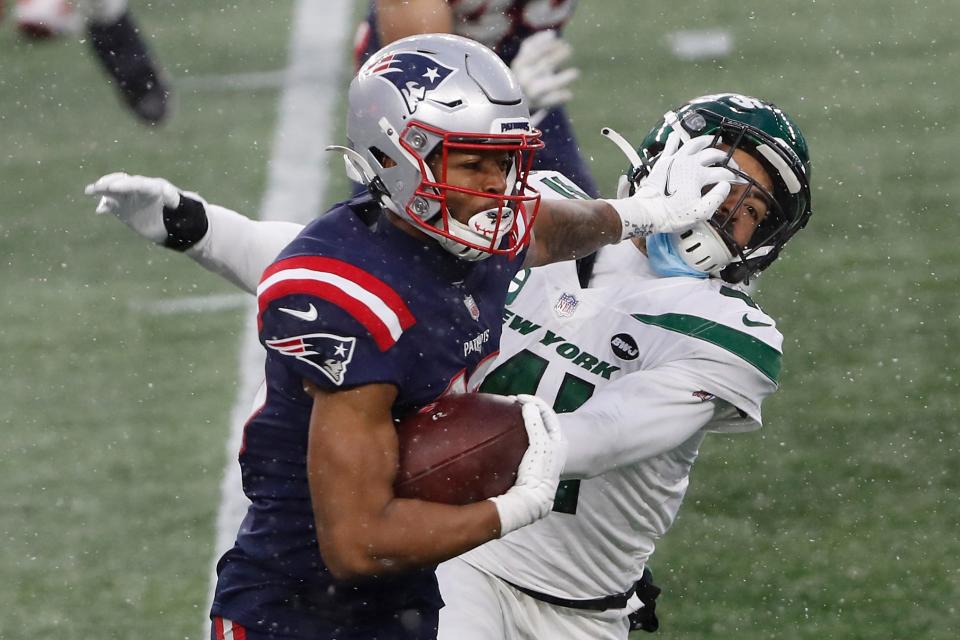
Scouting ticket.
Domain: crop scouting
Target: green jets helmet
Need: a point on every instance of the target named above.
(772, 137)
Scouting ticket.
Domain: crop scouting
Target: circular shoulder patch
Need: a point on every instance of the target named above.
(624, 346)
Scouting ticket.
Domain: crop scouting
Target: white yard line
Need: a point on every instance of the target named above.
(192, 304)
(296, 189)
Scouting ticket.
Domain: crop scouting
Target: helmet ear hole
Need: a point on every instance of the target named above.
(382, 158)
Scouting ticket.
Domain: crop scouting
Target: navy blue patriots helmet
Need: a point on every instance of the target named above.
(418, 99)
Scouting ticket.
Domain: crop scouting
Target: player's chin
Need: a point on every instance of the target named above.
(463, 211)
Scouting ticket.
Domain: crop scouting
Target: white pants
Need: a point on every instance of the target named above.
(482, 607)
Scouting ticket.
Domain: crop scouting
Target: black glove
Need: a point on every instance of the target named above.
(645, 618)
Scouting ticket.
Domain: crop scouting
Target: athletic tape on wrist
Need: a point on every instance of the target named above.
(186, 224)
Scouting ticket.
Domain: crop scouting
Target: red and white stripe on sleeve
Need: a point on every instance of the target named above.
(369, 300)
(224, 629)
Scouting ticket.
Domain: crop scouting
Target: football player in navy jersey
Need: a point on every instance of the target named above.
(524, 33)
(378, 307)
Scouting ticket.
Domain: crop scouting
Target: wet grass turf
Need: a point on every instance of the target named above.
(838, 520)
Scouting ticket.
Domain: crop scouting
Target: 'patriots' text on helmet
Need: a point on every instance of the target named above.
(419, 99)
(772, 137)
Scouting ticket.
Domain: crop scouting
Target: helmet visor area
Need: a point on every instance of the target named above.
(508, 216)
(755, 208)
(782, 208)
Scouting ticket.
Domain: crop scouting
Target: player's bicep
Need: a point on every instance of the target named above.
(351, 462)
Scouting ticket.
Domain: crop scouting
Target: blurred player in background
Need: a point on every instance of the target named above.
(116, 41)
(524, 33)
(657, 347)
(368, 314)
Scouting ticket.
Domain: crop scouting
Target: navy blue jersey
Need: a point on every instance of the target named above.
(345, 305)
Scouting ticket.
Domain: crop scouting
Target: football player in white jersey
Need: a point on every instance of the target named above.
(642, 353)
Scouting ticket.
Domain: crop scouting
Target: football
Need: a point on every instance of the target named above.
(460, 449)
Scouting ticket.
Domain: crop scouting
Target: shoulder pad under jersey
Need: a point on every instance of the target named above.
(553, 185)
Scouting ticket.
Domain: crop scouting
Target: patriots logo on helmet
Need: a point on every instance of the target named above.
(413, 74)
(327, 352)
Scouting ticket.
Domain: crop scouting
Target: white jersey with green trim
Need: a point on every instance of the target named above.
(648, 365)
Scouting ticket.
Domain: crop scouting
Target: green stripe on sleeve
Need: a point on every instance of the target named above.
(734, 293)
(758, 353)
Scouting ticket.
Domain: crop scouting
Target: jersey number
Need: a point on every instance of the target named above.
(522, 374)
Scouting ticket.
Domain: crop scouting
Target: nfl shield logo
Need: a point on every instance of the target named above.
(472, 307)
(566, 305)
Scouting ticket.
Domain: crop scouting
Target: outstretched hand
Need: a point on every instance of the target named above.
(672, 197)
(137, 201)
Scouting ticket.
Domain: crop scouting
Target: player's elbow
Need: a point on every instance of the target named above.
(582, 466)
(350, 558)
(347, 569)
(348, 563)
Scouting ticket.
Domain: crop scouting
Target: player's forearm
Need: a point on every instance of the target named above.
(238, 248)
(639, 416)
(401, 18)
(362, 528)
(405, 535)
(571, 229)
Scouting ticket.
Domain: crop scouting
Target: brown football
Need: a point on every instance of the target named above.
(460, 449)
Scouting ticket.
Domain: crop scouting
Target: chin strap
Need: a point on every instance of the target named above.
(666, 260)
(478, 230)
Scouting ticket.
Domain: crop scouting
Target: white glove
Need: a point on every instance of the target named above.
(137, 201)
(531, 496)
(536, 66)
(671, 198)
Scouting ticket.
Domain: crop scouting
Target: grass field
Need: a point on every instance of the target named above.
(839, 520)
